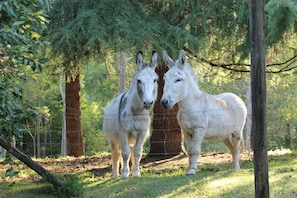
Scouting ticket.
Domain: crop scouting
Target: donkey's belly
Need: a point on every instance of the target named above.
(214, 127)
(222, 130)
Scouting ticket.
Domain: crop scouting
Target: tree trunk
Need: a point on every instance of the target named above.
(258, 85)
(31, 164)
(37, 129)
(249, 137)
(122, 68)
(63, 139)
(166, 136)
(75, 146)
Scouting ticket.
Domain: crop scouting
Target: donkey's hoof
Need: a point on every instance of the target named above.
(125, 174)
(136, 174)
(191, 171)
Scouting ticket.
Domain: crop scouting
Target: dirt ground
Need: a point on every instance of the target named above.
(100, 166)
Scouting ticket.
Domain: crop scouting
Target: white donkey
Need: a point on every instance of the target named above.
(127, 119)
(202, 115)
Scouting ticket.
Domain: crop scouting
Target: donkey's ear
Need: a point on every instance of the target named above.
(168, 61)
(182, 59)
(154, 61)
(139, 60)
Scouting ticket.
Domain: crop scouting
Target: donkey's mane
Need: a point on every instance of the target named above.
(189, 70)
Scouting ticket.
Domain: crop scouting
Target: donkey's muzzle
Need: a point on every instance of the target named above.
(165, 103)
(148, 104)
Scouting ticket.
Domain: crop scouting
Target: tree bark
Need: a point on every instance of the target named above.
(166, 137)
(56, 182)
(258, 87)
(75, 146)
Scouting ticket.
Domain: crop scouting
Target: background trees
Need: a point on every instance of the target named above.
(87, 37)
(22, 45)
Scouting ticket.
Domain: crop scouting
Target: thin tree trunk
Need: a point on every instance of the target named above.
(249, 137)
(64, 138)
(33, 138)
(122, 71)
(37, 129)
(75, 146)
(43, 147)
(56, 182)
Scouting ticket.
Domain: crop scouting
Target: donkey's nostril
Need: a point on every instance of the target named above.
(164, 102)
(148, 103)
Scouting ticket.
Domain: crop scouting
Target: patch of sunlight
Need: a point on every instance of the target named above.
(192, 189)
(281, 151)
(222, 183)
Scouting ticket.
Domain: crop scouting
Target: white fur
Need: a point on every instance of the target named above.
(127, 120)
(202, 115)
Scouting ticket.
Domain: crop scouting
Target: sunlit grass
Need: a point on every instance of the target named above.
(210, 181)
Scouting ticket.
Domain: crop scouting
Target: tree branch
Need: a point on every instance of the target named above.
(56, 182)
(287, 65)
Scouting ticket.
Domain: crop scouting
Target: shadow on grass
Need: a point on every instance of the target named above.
(27, 190)
(158, 180)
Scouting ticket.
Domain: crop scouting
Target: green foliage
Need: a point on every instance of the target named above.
(214, 28)
(23, 31)
(72, 187)
(47, 105)
(22, 43)
(281, 19)
(82, 29)
(10, 173)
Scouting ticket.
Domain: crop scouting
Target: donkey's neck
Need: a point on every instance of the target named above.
(194, 95)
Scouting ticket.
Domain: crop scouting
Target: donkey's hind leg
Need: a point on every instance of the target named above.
(233, 143)
(115, 158)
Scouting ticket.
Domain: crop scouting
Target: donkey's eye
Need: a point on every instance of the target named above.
(155, 80)
(139, 81)
(178, 80)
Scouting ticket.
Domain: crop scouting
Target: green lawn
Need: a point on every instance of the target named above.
(216, 180)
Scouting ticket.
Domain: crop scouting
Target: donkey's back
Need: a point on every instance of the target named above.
(226, 116)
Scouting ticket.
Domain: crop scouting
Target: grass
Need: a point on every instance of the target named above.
(26, 190)
(211, 181)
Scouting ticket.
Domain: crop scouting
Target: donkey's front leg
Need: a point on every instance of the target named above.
(125, 154)
(138, 153)
(194, 142)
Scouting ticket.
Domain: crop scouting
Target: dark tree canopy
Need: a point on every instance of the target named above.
(207, 29)
(84, 27)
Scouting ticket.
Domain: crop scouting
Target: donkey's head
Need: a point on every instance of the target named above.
(147, 80)
(176, 79)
